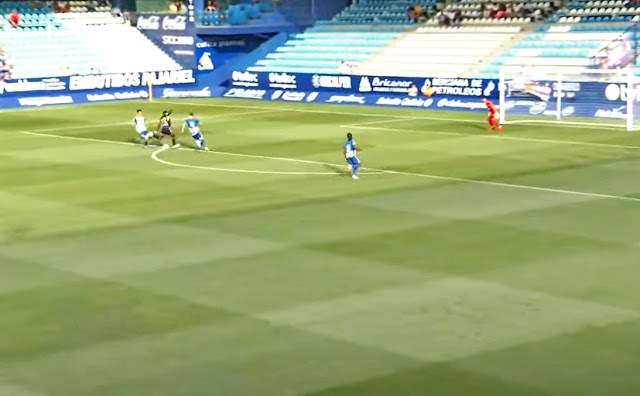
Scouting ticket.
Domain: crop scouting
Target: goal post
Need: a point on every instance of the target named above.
(590, 98)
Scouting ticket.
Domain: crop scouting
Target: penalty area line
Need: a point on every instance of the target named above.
(494, 136)
(154, 156)
(387, 171)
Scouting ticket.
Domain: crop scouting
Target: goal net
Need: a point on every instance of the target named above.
(593, 98)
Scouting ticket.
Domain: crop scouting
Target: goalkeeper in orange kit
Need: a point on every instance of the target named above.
(493, 118)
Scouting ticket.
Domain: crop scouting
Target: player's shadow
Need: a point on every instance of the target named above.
(338, 170)
(478, 127)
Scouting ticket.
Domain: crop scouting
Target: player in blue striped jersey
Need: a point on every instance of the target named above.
(194, 129)
(349, 150)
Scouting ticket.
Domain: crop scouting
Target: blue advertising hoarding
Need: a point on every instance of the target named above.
(427, 87)
(579, 99)
(103, 87)
(328, 97)
(584, 99)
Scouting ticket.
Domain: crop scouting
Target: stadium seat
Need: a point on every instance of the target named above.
(80, 42)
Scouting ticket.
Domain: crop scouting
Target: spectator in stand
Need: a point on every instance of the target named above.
(5, 66)
(410, 12)
(345, 68)
(417, 11)
(457, 18)
(537, 14)
(116, 12)
(173, 8)
(443, 18)
(211, 6)
(517, 9)
(502, 11)
(14, 19)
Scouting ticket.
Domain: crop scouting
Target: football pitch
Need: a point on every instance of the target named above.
(459, 264)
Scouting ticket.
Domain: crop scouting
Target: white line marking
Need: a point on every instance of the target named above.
(501, 137)
(435, 177)
(77, 138)
(382, 121)
(154, 156)
(571, 124)
(363, 126)
(509, 185)
(406, 117)
(331, 112)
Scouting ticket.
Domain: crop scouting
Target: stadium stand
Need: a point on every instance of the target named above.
(364, 28)
(238, 14)
(105, 34)
(321, 49)
(51, 45)
(568, 42)
(439, 51)
(368, 12)
(486, 42)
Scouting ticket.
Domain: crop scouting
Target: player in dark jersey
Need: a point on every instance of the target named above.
(164, 128)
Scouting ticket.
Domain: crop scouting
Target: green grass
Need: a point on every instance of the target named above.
(460, 263)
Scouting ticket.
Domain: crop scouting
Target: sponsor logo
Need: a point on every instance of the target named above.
(48, 84)
(405, 102)
(100, 97)
(282, 80)
(615, 92)
(178, 22)
(221, 44)
(619, 113)
(245, 93)
(117, 96)
(205, 44)
(184, 52)
(459, 87)
(458, 104)
(148, 23)
(45, 100)
(390, 85)
(489, 89)
(566, 112)
(276, 95)
(177, 40)
(127, 80)
(538, 108)
(312, 96)
(293, 96)
(245, 79)
(174, 93)
(346, 99)
(365, 85)
(342, 82)
(205, 62)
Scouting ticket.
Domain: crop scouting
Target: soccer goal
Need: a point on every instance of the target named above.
(591, 98)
